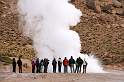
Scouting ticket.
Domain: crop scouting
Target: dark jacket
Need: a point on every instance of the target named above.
(45, 62)
(54, 62)
(14, 63)
(71, 61)
(79, 61)
(37, 63)
(19, 62)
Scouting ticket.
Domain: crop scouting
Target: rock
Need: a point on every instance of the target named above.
(90, 4)
(29, 46)
(25, 65)
(72, 1)
(120, 12)
(94, 4)
(116, 3)
(108, 26)
(2, 2)
(115, 25)
(35, 78)
(97, 7)
(85, 15)
(107, 8)
(122, 25)
(113, 12)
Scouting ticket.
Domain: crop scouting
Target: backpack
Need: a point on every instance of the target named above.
(65, 62)
(54, 62)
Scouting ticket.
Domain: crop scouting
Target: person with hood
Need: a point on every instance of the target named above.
(54, 63)
(37, 65)
(77, 66)
(84, 66)
(19, 62)
(59, 65)
(41, 66)
(71, 64)
(80, 62)
(14, 65)
(45, 63)
(33, 65)
(65, 63)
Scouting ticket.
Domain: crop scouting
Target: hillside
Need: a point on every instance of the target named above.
(12, 42)
(100, 33)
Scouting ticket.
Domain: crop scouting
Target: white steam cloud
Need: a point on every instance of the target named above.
(47, 23)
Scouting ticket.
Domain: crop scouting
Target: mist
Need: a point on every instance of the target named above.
(47, 23)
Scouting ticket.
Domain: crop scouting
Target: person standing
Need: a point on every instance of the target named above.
(54, 63)
(14, 65)
(59, 65)
(80, 62)
(45, 63)
(33, 66)
(19, 62)
(65, 63)
(77, 66)
(41, 66)
(37, 65)
(84, 66)
(71, 64)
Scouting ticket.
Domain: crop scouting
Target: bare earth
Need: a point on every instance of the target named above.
(113, 76)
(7, 76)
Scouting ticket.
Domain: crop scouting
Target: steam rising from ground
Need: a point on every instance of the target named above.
(47, 23)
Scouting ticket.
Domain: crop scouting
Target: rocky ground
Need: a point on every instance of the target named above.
(112, 74)
(60, 77)
(100, 33)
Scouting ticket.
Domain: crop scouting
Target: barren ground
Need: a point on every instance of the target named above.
(113, 76)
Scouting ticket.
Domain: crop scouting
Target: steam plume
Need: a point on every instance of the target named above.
(47, 23)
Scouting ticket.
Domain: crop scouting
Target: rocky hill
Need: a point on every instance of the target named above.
(12, 42)
(100, 33)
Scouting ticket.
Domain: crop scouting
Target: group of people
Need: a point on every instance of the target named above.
(41, 66)
(19, 62)
(75, 66)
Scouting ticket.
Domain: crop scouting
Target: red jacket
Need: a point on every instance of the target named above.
(65, 62)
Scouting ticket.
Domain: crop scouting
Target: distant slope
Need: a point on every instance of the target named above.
(102, 34)
(12, 42)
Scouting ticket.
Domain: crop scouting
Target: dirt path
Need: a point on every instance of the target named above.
(114, 76)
